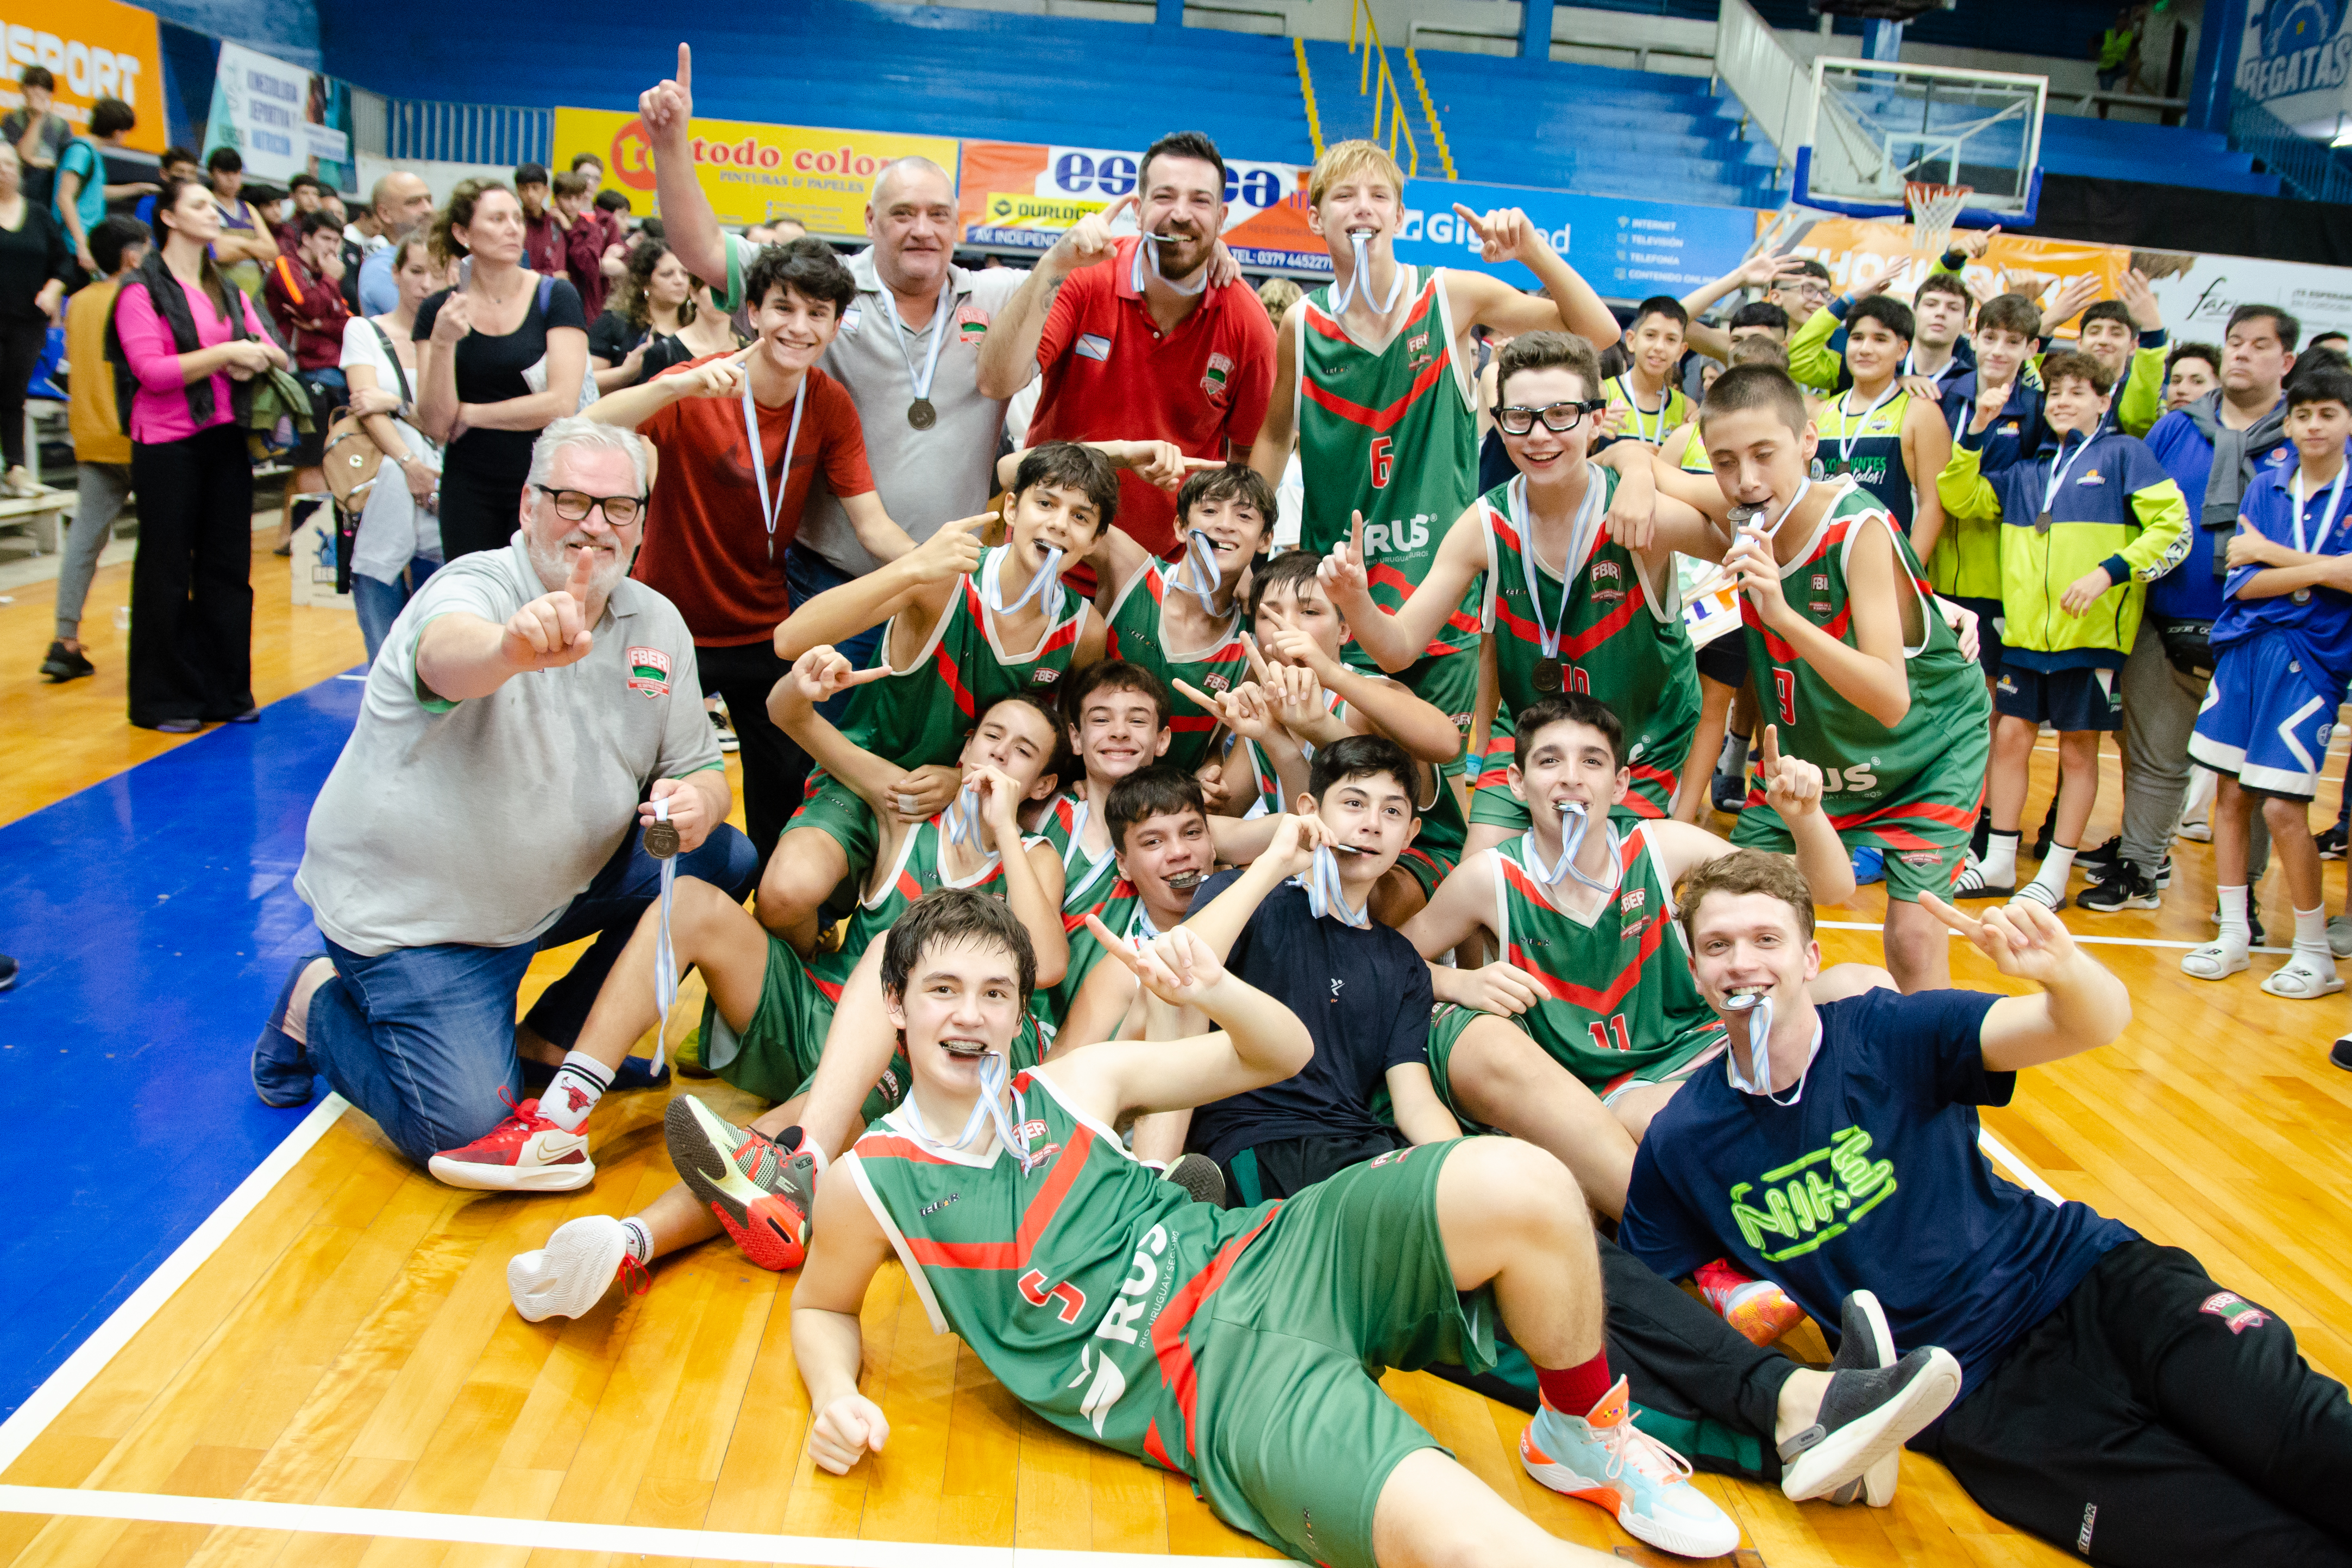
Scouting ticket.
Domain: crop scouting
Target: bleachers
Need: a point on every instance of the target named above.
(2162, 154)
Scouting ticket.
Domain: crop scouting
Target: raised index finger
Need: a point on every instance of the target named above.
(1472, 219)
(1110, 214)
(1114, 945)
(1256, 660)
(686, 66)
(1769, 758)
(1951, 917)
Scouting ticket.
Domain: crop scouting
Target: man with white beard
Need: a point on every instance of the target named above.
(534, 710)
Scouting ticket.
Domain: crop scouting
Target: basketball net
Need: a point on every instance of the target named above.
(1933, 209)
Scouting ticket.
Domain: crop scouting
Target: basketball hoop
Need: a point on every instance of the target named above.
(1933, 209)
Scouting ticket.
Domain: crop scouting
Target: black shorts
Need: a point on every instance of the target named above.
(1725, 660)
(1280, 1167)
(1988, 613)
(2066, 700)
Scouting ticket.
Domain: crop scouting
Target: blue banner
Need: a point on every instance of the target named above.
(1625, 249)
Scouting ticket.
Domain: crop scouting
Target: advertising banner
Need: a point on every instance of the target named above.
(283, 120)
(2295, 61)
(751, 173)
(2196, 292)
(1019, 195)
(96, 48)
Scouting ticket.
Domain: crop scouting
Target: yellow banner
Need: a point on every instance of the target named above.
(96, 48)
(752, 173)
(1014, 209)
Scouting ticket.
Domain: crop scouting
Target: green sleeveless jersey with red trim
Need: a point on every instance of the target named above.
(1393, 435)
(1120, 908)
(1867, 769)
(1621, 992)
(1133, 634)
(916, 872)
(919, 716)
(1084, 883)
(1866, 445)
(1442, 824)
(1076, 1282)
(1621, 638)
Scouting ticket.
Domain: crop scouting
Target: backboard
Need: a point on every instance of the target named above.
(1875, 124)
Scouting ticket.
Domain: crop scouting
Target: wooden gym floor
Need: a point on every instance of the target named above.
(329, 1371)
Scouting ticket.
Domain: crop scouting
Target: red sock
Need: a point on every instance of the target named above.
(1575, 1390)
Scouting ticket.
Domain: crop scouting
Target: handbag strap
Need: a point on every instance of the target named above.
(399, 373)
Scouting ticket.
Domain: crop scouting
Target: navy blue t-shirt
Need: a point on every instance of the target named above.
(1364, 997)
(1871, 1181)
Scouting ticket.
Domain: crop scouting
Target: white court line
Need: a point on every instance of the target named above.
(2001, 1154)
(94, 1353)
(2078, 936)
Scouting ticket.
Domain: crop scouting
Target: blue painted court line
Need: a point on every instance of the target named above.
(154, 917)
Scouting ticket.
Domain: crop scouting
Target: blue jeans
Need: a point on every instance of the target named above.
(422, 1038)
(378, 604)
(807, 575)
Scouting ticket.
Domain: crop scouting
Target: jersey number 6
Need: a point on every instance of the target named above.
(1383, 460)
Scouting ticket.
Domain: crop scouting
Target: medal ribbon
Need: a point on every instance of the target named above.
(995, 1074)
(963, 818)
(921, 383)
(1145, 243)
(991, 583)
(1851, 429)
(1197, 573)
(1581, 534)
(1757, 1078)
(1575, 822)
(1666, 401)
(1359, 281)
(665, 956)
(2335, 500)
(1326, 896)
(2058, 476)
(760, 457)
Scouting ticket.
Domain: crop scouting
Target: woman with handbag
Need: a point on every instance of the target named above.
(186, 344)
(398, 543)
(499, 358)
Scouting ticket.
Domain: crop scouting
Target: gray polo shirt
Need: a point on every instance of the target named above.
(925, 478)
(478, 822)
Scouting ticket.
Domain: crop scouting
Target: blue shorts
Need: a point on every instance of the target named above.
(2265, 719)
(2066, 700)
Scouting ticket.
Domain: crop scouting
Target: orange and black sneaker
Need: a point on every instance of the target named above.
(1759, 1309)
(762, 1191)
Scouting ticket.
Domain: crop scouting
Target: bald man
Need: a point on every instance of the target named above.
(908, 352)
(401, 203)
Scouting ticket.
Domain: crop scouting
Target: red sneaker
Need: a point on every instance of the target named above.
(1759, 1309)
(761, 1192)
(524, 1153)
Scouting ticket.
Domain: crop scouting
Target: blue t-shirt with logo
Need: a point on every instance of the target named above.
(2319, 629)
(1871, 1181)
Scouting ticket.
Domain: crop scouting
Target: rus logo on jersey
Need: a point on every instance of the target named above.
(1395, 538)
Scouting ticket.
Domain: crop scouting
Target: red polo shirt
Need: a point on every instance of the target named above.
(1110, 375)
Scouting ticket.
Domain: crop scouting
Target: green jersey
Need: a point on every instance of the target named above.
(919, 716)
(1121, 908)
(1133, 634)
(1086, 882)
(1393, 435)
(1621, 638)
(1867, 443)
(1075, 1281)
(1868, 771)
(1621, 995)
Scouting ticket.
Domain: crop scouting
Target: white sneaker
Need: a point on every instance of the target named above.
(570, 1275)
(1605, 1459)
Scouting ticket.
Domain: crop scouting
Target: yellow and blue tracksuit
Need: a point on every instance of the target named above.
(2112, 505)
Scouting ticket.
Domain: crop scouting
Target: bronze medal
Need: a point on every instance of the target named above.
(661, 839)
(921, 414)
(1547, 675)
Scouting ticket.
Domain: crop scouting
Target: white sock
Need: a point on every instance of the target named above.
(637, 1239)
(2234, 928)
(2311, 940)
(1733, 762)
(573, 1093)
(2000, 858)
(2055, 868)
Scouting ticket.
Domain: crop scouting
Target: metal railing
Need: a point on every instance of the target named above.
(1640, 49)
(2311, 170)
(1307, 96)
(1379, 83)
(1429, 113)
(1770, 83)
(467, 132)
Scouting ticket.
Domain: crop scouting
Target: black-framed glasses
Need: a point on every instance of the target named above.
(573, 505)
(1559, 418)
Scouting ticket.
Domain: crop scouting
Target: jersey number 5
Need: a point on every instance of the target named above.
(1383, 460)
(1784, 687)
(1608, 1033)
(1066, 1298)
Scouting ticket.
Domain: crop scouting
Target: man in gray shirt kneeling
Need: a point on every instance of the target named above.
(529, 709)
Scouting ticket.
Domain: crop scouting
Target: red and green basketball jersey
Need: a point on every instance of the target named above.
(919, 716)
(918, 872)
(1866, 445)
(1084, 883)
(1120, 908)
(1076, 1282)
(1621, 994)
(1868, 771)
(1134, 635)
(1393, 435)
(1621, 639)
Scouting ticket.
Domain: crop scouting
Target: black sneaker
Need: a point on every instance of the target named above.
(1199, 1175)
(62, 663)
(2331, 843)
(2342, 1055)
(1865, 1416)
(2098, 864)
(1865, 1343)
(1730, 792)
(1981, 839)
(728, 740)
(2126, 886)
(2047, 832)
